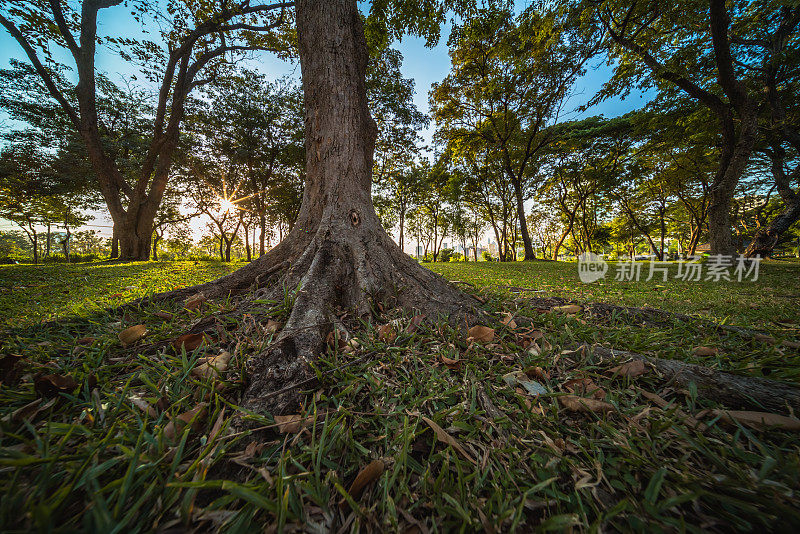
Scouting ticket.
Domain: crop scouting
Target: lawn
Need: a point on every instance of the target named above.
(97, 436)
(773, 296)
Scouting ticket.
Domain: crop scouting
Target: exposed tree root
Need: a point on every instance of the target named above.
(335, 279)
(731, 390)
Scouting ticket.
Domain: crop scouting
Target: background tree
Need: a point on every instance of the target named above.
(711, 52)
(189, 55)
(511, 78)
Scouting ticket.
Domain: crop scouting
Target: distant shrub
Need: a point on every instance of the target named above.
(456, 256)
(485, 256)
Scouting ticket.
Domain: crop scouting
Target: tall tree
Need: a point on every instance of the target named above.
(337, 253)
(511, 78)
(692, 47)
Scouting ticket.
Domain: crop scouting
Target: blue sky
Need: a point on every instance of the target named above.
(425, 65)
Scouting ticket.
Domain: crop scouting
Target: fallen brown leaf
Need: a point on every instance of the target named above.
(414, 324)
(84, 341)
(371, 472)
(8, 368)
(335, 340)
(705, 351)
(30, 410)
(272, 326)
(132, 334)
(662, 403)
(289, 424)
(481, 334)
(51, 385)
(217, 426)
(387, 333)
(569, 309)
(444, 437)
(213, 366)
(581, 404)
(164, 315)
(508, 320)
(537, 372)
(764, 338)
(193, 417)
(585, 386)
(188, 341)
(145, 406)
(630, 369)
(450, 363)
(195, 302)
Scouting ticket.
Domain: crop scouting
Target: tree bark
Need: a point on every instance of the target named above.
(530, 255)
(262, 223)
(732, 390)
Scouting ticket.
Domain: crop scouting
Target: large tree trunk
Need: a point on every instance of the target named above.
(135, 238)
(337, 253)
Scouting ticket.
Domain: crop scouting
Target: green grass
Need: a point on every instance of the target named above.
(775, 295)
(90, 459)
(32, 294)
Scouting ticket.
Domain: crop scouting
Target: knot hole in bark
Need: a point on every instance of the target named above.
(355, 219)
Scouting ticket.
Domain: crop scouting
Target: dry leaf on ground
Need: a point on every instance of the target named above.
(132, 334)
(51, 385)
(630, 369)
(508, 320)
(272, 326)
(581, 404)
(371, 472)
(194, 417)
(289, 424)
(569, 309)
(213, 366)
(195, 301)
(450, 363)
(143, 405)
(705, 351)
(444, 437)
(481, 334)
(585, 386)
(188, 341)
(387, 333)
(414, 324)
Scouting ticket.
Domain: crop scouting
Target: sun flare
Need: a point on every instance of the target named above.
(226, 206)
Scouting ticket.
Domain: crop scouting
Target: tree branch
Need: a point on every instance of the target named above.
(41, 70)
